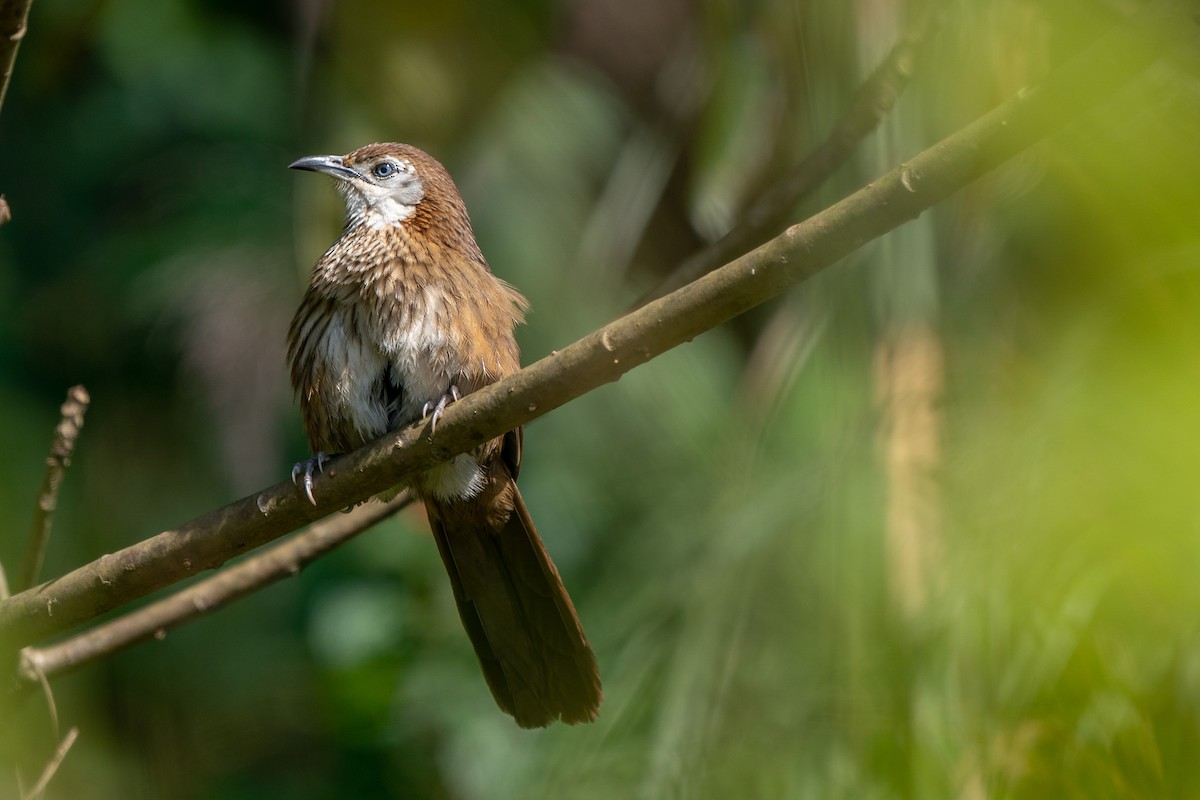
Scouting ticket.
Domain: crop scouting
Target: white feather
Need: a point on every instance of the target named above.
(460, 479)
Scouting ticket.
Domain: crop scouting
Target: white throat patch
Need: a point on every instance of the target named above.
(386, 202)
(383, 212)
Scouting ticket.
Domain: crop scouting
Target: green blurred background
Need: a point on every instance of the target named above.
(927, 526)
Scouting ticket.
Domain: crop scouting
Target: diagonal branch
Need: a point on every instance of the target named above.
(770, 212)
(73, 409)
(14, 19)
(14, 15)
(277, 562)
(802, 251)
(60, 752)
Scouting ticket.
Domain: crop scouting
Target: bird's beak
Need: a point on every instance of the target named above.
(330, 165)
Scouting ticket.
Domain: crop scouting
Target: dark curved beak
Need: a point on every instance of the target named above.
(330, 165)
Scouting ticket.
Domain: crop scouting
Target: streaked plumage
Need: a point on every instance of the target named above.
(401, 313)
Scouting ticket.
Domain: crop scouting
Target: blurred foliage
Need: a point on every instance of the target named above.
(800, 580)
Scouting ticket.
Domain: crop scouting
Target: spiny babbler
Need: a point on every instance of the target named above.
(402, 316)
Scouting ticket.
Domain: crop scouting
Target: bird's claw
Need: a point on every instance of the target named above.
(304, 469)
(440, 406)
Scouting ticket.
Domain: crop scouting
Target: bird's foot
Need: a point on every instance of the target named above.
(440, 406)
(302, 474)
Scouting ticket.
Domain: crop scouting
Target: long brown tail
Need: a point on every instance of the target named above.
(516, 611)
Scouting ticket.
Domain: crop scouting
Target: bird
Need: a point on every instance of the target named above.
(403, 316)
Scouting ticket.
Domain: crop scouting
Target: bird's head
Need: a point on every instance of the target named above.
(384, 184)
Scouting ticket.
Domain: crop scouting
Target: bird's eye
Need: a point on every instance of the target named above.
(384, 169)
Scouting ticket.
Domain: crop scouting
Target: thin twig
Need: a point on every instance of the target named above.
(282, 560)
(59, 754)
(5, 211)
(73, 409)
(43, 681)
(14, 16)
(801, 252)
(4, 593)
(770, 212)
